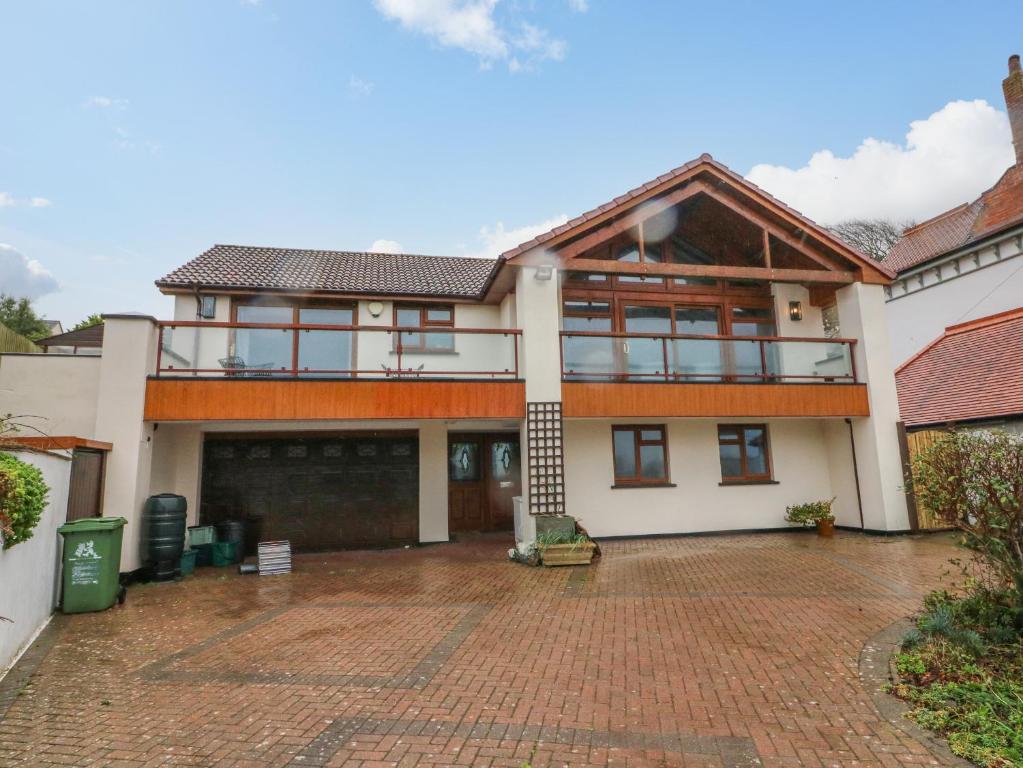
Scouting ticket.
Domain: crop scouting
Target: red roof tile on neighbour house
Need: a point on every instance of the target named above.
(1000, 208)
(350, 272)
(973, 371)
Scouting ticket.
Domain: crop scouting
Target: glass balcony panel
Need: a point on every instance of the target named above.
(325, 353)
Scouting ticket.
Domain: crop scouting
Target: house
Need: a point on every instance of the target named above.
(83, 341)
(968, 377)
(692, 356)
(965, 263)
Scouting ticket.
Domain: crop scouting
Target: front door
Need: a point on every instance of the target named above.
(484, 474)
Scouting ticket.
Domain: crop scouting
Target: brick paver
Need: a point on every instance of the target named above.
(711, 652)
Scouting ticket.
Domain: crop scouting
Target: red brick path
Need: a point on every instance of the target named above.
(720, 651)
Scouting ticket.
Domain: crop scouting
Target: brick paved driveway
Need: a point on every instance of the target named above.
(720, 651)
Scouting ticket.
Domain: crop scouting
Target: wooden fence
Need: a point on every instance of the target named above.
(913, 444)
(14, 342)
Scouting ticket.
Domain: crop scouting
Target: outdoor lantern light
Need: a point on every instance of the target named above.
(544, 272)
(795, 310)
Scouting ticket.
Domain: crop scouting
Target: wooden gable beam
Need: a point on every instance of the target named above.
(633, 218)
(805, 276)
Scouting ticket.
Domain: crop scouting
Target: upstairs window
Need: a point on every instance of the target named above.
(425, 316)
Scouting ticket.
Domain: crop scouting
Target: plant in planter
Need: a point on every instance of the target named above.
(816, 513)
(560, 548)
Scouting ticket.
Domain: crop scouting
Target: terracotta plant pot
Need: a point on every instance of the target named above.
(568, 554)
(826, 528)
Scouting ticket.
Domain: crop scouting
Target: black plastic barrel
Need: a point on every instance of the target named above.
(233, 530)
(163, 534)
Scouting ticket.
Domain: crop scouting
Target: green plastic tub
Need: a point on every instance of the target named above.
(224, 553)
(188, 558)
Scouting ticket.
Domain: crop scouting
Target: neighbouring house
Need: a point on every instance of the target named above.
(84, 341)
(971, 376)
(692, 356)
(966, 263)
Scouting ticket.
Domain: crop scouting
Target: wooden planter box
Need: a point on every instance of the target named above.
(568, 554)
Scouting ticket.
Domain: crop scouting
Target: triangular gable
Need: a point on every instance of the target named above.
(705, 176)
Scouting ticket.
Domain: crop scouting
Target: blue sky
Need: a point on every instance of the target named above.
(136, 134)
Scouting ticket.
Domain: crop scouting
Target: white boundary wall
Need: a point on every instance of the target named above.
(30, 571)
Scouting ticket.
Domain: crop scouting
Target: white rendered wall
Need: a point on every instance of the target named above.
(129, 355)
(177, 464)
(30, 571)
(697, 503)
(985, 285)
(55, 393)
(433, 481)
(861, 314)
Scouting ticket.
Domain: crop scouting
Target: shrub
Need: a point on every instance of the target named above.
(974, 481)
(22, 499)
(810, 513)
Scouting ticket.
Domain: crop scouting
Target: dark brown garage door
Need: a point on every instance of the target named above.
(320, 493)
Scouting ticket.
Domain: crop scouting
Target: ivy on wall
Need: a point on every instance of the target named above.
(23, 495)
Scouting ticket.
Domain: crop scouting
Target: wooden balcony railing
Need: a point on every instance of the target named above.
(639, 357)
(256, 350)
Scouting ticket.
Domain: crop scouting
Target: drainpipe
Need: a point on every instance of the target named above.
(856, 474)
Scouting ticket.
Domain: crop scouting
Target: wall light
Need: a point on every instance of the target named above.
(795, 310)
(544, 272)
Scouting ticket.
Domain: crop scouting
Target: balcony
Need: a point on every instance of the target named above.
(249, 371)
(614, 374)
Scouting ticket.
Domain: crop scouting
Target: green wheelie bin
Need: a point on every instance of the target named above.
(92, 563)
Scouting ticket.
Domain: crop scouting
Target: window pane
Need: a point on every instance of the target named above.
(321, 316)
(696, 320)
(407, 318)
(682, 252)
(756, 451)
(589, 277)
(630, 253)
(749, 321)
(728, 433)
(651, 434)
(653, 252)
(588, 307)
(504, 458)
(644, 319)
(651, 458)
(438, 315)
(731, 463)
(625, 453)
(464, 461)
(571, 323)
(258, 314)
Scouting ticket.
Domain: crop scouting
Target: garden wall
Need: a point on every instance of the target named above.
(30, 571)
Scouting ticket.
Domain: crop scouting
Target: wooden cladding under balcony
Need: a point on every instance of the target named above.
(636, 400)
(184, 399)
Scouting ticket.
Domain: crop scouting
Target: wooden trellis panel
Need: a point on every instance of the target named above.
(917, 442)
(546, 459)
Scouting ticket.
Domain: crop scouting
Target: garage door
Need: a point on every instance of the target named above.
(320, 493)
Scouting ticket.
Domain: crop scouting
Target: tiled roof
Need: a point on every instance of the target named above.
(972, 371)
(706, 160)
(998, 208)
(83, 337)
(283, 269)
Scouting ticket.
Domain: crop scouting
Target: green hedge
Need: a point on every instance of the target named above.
(23, 495)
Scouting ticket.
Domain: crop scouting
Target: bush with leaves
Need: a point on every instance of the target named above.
(974, 482)
(23, 493)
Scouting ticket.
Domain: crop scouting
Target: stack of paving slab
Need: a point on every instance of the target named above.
(274, 557)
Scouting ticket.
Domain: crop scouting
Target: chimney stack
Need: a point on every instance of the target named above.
(1012, 87)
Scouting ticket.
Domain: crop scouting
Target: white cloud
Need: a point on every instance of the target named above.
(9, 201)
(6, 201)
(105, 102)
(39, 202)
(497, 239)
(359, 87)
(579, 6)
(947, 159)
(385, 246)
(21, 276)
(472, 26)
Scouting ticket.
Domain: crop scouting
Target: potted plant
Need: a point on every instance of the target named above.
(561, 548)
(813, 513)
